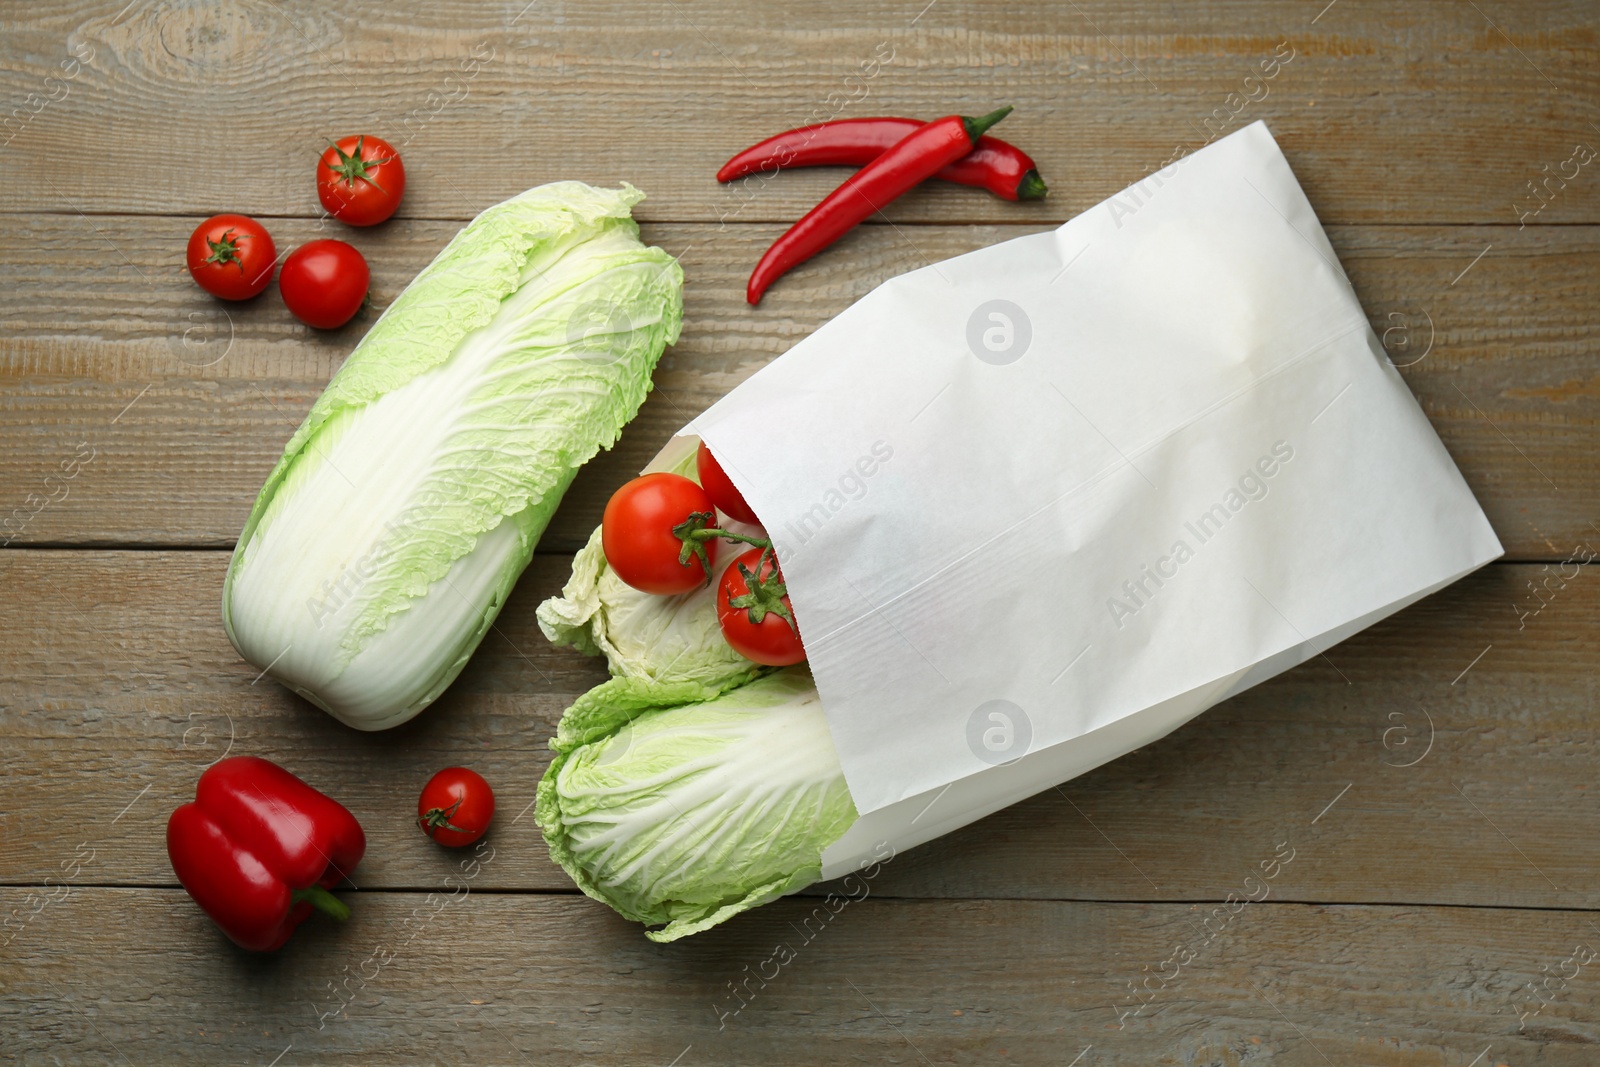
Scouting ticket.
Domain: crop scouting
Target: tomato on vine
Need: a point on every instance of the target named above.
(720, 488)
(639, 534)
(360, 180)
(754, 610)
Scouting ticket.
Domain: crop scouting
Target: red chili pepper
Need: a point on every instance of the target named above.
(998, 166)
(257, 848)
(916, 156)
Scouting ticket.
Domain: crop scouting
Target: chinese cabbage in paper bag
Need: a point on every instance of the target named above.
(1135, 465)
(689, 813)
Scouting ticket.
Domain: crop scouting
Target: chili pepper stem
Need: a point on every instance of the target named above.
(1032, 187)
(322, 900)
(976, 127)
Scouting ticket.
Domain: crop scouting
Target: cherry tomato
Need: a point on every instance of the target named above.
(751, 606)
(232, 256)
(455, 807)
(360, 180)
(636, 533)
(715, 481)
(324, 282)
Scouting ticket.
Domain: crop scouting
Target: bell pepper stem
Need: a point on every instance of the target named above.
(322, 900)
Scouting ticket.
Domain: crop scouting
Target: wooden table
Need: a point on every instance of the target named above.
(1432, 780)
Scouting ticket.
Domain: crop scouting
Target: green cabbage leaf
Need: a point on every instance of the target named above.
(680, 806)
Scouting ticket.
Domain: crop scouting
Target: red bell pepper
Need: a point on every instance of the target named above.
(258, 848)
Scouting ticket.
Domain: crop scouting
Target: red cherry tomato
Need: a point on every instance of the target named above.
(636, 533)
(360, 180)
(748, 599)
(232, 256)
(715, 481)
(324, 282)
(455, 807)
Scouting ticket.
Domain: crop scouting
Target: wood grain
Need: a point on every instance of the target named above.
(1416, 113)
(551, 980)
(119, 687)
(1433, 778)
(186, 403)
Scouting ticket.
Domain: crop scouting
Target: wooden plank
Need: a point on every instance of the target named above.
(1377, 108)
(141, 976)
(1425, 738)
(1417, 806)
(185, 404)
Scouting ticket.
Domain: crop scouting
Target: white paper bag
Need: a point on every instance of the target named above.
(1041, 504)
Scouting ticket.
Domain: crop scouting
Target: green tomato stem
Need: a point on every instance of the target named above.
(711, 533)
(696, 530)
(765, 596)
